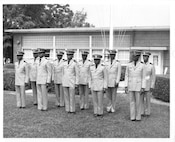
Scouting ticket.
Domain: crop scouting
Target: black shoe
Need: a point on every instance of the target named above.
(100, 115)
(43, 109)
(82, 108)
(35, 104)
(72, 112)
(133, 119)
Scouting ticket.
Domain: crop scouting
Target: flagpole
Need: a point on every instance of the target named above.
(111, 29)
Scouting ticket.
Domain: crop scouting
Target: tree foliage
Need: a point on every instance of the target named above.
(79, 20)
(26, 16)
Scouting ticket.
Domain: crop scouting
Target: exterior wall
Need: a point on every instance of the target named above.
(152, 39)
(95, 42)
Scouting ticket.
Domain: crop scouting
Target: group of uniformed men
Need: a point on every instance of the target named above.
(97, 75)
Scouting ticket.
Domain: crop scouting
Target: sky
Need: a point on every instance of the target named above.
(126, 14)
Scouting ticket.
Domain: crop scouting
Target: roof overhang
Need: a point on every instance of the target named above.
(91, 29)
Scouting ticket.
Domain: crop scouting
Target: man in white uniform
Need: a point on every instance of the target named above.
(98, 84)
(113, 68)
(84, 72)
(135, 84)
(43, 79)
(32, 75)
(21, 77)
(57, 74)
(150, 78)
(70, 81)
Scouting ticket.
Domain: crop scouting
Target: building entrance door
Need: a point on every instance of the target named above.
(156, 59)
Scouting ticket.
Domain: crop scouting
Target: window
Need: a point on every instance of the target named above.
(123, 57)
(72, 41)
(37, 41)
(100, 41)
(28, 55)
(155, 60)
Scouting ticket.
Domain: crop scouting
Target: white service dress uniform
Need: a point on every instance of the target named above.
(135, 80)
(113, 73)
(150, 78)
(21, 77)
(69, 80)
(43, 77)
(98, 82)
(57, 74)
(84, 78)
(32, 77)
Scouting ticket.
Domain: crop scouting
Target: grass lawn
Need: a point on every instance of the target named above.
(56, 123)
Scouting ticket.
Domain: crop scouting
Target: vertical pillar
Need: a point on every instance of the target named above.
(54, 48)
(77, 58)
(90, 47)
(111, 29)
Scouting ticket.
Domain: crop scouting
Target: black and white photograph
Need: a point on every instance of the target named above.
(87, 70)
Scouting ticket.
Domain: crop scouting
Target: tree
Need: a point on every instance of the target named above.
(79, 20)
(28, 16)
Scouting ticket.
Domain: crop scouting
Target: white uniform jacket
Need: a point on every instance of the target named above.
(98, 77)
(33, 69)
(84, 72)
(43, 71)
(57, 71)
(21, 73)
(113, 72)
(135, 76)
(150, 76)
(70, 74)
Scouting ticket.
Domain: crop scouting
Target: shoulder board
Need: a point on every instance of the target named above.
(55, 59)
(151, 63)
(64, 60)
(117, 60)
(24, 61)
(141, 62)
(75, 61)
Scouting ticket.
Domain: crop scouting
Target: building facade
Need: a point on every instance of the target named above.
(154, 39)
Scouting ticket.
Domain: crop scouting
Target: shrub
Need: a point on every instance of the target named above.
(123, 69)
(51, 89)
(162, 88)
(9, 80)
(9, 66)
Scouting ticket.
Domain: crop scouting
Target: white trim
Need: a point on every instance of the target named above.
(150, 48)
(78, 52)
(97, 29)
(90, 46)
(54, 49)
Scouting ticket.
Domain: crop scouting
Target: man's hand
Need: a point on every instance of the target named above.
(47, 85)
(151, 90)
(142, 90)
(104, 89)
(116, 85)
(126, 90)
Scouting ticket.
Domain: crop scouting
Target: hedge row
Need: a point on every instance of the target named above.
(162, 88)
